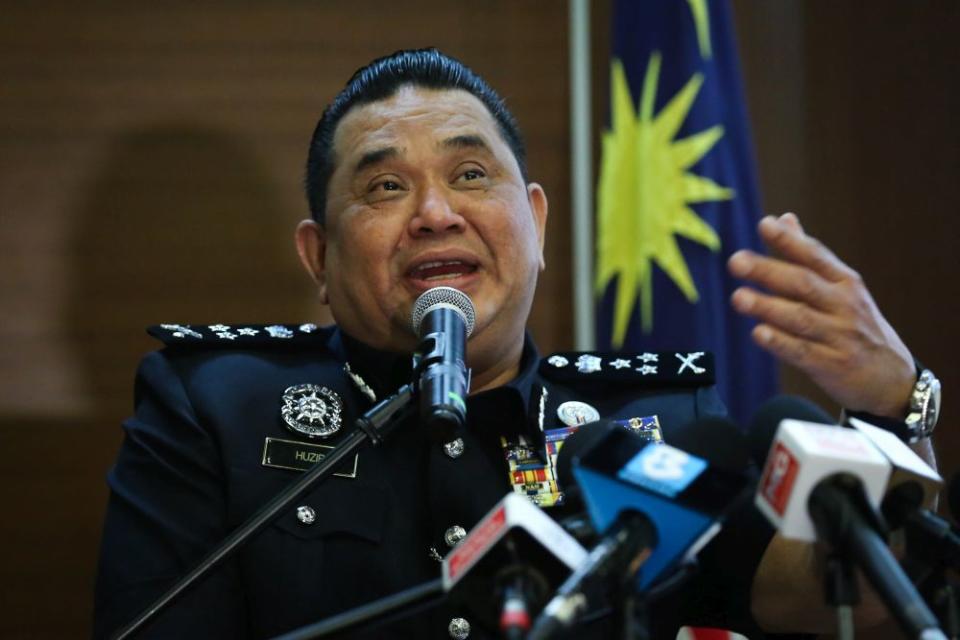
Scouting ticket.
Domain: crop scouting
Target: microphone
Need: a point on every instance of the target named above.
(913, 484)
(906, 466)
(443, 319)
(656, 504)
(823, 482)
(516, 552)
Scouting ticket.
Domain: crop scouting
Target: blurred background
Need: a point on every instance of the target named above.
(151, 161)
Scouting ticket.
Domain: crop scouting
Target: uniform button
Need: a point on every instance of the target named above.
(454, 449)
(454, 534)
(459, 629)
(306, 515)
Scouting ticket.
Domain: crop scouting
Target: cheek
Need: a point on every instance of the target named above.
(517, 236)
(367, 243)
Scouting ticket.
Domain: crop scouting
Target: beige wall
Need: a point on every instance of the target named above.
(150, 170)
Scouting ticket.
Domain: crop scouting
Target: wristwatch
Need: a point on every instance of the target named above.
(924, 406)
(921, 416)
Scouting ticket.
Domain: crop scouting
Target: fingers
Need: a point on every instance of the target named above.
(784, 279)
(806, 355)
(794, 318)
(785, 236)
(791, 219)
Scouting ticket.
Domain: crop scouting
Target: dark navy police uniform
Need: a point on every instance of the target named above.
(192, 468)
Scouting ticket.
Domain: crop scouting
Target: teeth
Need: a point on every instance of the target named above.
(438, 263)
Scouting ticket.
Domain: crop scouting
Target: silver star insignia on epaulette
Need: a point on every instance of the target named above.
(588, 364)
(226, 335)
(647, 369)
(648, 357)
(620, 363)
(247, 331)
(180, 331)
(309, 327)
(218, 328)
(557, 361)
(687, 362)
(278, 331)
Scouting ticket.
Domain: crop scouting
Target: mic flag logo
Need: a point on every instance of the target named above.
(662, 469)
(778, 478)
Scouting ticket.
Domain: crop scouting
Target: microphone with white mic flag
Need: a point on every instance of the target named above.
(825, 482)
(443, 319)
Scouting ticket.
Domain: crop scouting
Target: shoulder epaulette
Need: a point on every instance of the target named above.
(685, 368)
(238, 336)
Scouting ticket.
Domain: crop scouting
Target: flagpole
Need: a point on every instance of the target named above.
(581, 172)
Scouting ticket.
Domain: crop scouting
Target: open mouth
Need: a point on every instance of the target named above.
(437, 270)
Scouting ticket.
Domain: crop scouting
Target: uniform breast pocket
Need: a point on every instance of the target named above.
(309, 562)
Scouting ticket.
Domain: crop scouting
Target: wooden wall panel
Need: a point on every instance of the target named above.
(854, 120)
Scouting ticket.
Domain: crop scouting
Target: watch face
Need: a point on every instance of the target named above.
(931, 409)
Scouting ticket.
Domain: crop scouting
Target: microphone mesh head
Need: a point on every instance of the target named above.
(443, 297)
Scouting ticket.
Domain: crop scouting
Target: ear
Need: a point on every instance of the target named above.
(311, 241)
(538, 204)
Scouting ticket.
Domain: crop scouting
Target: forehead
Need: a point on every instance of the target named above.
(413, 114)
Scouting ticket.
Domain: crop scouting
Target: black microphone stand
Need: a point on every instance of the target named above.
(841, 592)
(844, 519)
(407, 602)
(634, 623)
(375, 425)
(931, 553)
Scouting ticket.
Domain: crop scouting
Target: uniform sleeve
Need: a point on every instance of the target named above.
(167, 510)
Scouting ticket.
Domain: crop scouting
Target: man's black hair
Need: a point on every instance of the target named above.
(381, 79)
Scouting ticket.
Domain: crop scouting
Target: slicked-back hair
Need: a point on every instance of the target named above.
(380, 80)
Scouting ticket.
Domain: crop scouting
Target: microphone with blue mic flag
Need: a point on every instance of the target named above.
(654, 504)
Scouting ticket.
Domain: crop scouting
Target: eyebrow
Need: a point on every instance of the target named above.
(376, 156)
(469, 141)
(465, 142)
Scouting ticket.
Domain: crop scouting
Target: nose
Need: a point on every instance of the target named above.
(435, 215)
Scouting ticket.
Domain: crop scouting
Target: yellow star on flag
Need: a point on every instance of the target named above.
(644, 195)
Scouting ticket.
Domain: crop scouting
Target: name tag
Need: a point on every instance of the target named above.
(301, 456)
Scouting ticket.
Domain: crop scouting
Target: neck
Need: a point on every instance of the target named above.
(496, 368)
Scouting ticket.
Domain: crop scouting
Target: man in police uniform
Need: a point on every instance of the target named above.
(417, 178)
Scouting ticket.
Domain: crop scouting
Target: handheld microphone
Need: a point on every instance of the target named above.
(906, 465)
(656, 504)
(518, 554)
(684, 487)
(931, 541)
(824, 482)
(802, 454)
(443, 319)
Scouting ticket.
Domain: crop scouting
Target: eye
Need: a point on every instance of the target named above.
(470, 175)
(385, 185)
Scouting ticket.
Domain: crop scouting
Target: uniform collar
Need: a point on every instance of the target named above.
(387, 371)
(384, 371)
(518, 397)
